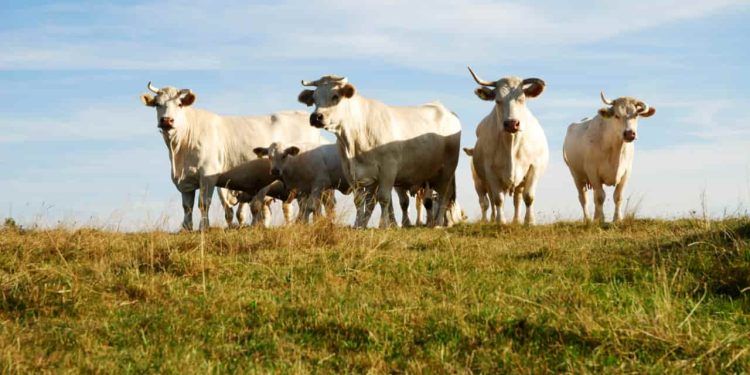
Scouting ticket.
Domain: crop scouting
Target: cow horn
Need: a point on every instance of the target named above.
(308, 83)
(479, 80)
(642, 107)
(152, 88)
(604, 98)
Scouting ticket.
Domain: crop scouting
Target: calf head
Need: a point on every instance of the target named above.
(169, 103)
(278, 155)
(623, 114)
(331, 99)
(509, 94)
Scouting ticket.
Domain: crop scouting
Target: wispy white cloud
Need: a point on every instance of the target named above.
(208, 35)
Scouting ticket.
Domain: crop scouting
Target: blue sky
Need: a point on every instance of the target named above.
(77, 146)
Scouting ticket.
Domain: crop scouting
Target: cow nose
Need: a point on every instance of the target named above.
(316, 120)
(276, 172)
(511, 125)
(628, 135)
(166, 122)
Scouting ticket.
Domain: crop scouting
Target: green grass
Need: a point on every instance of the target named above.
(642, 296)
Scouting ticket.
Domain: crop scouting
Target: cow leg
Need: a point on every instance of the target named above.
(599, 196)
(188, 201)
(618, 196)
(267, 213)
(529, 193)
(403, 201)
(445, 192)
(206, 194)
(287, 208)
(517, 195)
(496, 197)
(583, 199)
(484, 203)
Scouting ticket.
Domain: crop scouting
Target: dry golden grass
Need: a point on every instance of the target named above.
(642, 296)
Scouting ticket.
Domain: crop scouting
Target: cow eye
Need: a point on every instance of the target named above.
(335, 98)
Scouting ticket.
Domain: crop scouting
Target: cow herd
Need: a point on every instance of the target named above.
(252, 160)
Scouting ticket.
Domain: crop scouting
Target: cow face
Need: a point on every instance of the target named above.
(622, 115)
(278, 155)
(331, 99)
(509, 95)
(170, 106)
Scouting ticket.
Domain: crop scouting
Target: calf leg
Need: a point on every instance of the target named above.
(403, 201)
(188, 201)
(364, 198)
(241, 209)
(383, 195)
(225, 198)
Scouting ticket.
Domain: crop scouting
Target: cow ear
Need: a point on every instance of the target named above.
(260, 151)
(469, 151)
(649, 113)
(306, 97)
(292, 150)
(347, 91)
(148, 100)
(606, 112)
(188, 99)
(485, 93)
(534, 89)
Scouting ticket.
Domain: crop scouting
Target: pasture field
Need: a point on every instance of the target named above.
(640, 296)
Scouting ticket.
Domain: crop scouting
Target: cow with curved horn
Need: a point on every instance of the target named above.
(203, 146)
(599, 151)
(383, 146)
(511, 152)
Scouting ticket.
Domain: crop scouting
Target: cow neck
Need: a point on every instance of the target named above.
(352, 135)
(612, 142)
(511, 144)
(179, 144)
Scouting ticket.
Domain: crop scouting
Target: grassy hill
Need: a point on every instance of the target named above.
(641, 296)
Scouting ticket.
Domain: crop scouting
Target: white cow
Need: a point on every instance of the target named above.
(511, 152)
(310, 170)
(202, 145)
(599, 151)
(383, 146)
(482, 189)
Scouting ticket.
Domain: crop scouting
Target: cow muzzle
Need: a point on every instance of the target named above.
(511, 126)
(166, 123)
(316, 120)
(628, 135)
